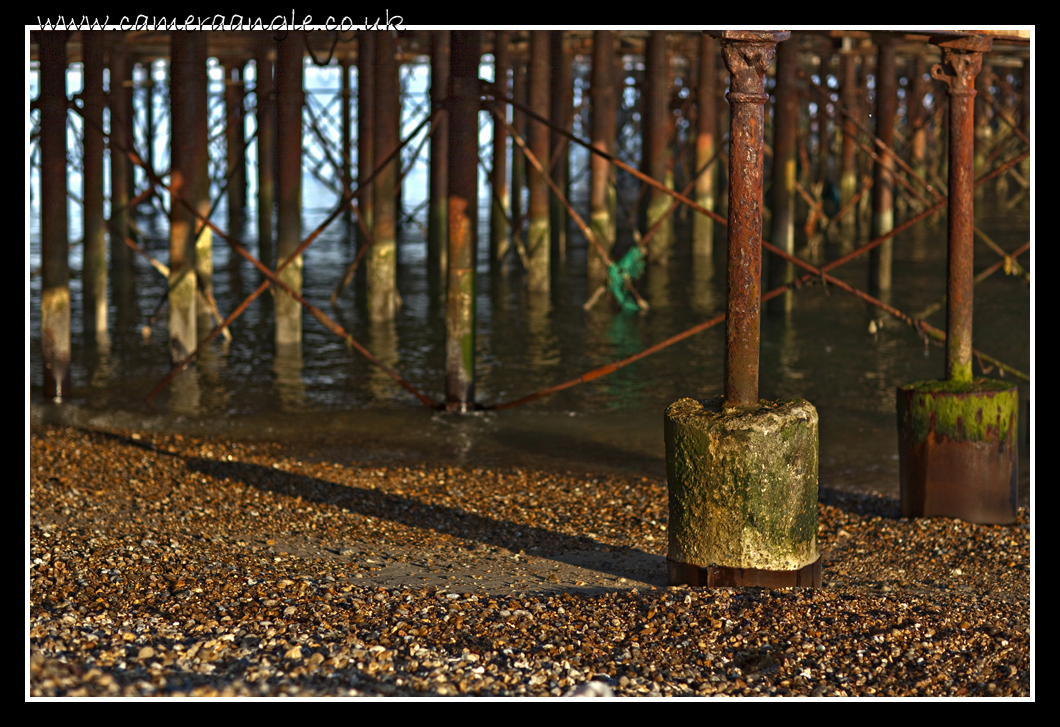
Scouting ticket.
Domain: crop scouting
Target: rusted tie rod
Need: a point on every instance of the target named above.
(817, 272)
(490, 90)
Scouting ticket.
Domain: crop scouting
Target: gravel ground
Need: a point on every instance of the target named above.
(166, 565)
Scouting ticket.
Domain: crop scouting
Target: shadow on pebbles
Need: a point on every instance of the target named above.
(166, 565)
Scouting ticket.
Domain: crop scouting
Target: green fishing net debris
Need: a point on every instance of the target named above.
(631, 265)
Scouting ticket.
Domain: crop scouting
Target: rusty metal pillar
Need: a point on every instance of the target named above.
(201, 188)
(962, 60)
(189, 163)
(1025, 110)
(657, 162)
(130, 114)
(883, 183)
(55, 270)
(538, 238)
(149, 112)
(120, 255)
(501, 205)
(747, 55)
(848, 175)
(290, 97)
(706, 126)
(561, 97)
(765, 535)
(918, 115)
(824, 145)
(982, 126)
(519, 71)
(957, 437)
(236, 139)
(347, 133)
(463, 221)
(382, 258)
(266, 151)
(94, 274)
(785, 118)
(438, 214)
(365, 131)
(602, 191)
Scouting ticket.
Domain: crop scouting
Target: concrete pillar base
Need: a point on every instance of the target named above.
(742, 493)
(957, 450)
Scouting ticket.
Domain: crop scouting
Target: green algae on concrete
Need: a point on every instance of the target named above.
(980, 410)
(742, 484)
(957, 453)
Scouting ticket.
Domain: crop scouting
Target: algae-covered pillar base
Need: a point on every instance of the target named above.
(742, 494)
(957, 443)
(957, 450)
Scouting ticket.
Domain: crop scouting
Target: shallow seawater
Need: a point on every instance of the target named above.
(823, 351)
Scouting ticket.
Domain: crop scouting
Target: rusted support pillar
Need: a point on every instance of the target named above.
(747, 55)
(982, 127)
(94, 275)
(519, 71)
(365, 129)
(602, 194)
(918, 115)
(438, 210)
(824, 147)
(965, 59)
(848, 175)
(347, 131)
(266, 118)
(957, 437)
(501, 206)
(742, 474)
(382, 258)
(657, 162)
(706, 125)
(785, 117)
(463, 221)
(130, 114)
(55, 271)
(883, 184)
(236, 138)
(265, 98)
(1025, 110)
(149, 111)
(561, 97)
(290, 98)
(120, 255)
(189, 169)
(538, 238)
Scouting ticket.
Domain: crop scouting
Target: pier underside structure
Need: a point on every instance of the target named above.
(846, 169)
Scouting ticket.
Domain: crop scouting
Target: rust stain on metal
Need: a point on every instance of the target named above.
(962, 59)
(747, 56)
(716, 576)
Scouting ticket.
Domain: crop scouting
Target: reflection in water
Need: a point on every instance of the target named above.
(658, 287)
(625, 385)
(288, 384)
(383, 342)
(211, 365)
(703, 299)
(101, 369)
(542, 351)
(184, 393)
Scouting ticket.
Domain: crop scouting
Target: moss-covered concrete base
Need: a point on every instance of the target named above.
(742, 485)
(957, 450)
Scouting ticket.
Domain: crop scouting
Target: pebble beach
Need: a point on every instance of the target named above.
(167, 565)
